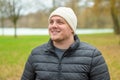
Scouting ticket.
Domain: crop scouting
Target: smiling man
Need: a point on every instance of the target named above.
(65, 57)
(60, 32)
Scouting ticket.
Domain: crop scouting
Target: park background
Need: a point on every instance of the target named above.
(33, 14)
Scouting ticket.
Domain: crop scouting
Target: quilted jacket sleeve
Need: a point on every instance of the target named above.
(28, 73)
(99, 69)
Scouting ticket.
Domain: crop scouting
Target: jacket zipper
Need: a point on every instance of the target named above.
(59, 69)
(60, 66)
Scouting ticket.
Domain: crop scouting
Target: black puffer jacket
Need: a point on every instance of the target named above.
(80, 62)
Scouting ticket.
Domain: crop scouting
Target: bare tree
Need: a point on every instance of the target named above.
(14, 9)
(58, 3)
(115, 7)
(3, 13)
(114, 12)
(54, 3)
(73, 4)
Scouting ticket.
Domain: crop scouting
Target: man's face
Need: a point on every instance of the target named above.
(59, 29)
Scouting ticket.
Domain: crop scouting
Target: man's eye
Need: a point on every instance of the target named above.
(60, 22)
(51, 22)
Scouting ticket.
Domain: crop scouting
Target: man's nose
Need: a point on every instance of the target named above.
(54, 24)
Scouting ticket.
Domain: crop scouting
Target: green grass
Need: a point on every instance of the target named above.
(18, 48)
(15, 51)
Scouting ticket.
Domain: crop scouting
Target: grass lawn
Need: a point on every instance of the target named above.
(14, 53)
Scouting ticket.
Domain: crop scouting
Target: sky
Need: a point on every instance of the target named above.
(32, 6)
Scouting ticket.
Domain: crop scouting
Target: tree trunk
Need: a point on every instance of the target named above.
(116, 23)
(15, 30)
(115, 18)
(2, 24)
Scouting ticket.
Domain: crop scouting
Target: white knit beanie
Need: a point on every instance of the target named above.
(68, 14)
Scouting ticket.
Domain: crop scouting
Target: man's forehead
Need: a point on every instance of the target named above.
(57, 17)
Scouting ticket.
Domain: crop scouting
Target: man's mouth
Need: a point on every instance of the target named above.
(54, 32)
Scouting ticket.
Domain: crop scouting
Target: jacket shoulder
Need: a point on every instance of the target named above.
(84, 45)
(39, 49)
(89, 49)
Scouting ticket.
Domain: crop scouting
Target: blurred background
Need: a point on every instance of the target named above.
(23, 26)
(95, 14)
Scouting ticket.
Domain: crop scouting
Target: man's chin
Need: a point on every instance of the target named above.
(56, 39)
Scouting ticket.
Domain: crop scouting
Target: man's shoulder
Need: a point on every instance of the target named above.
(41, 46)
(88, 48)
(39, 49)
(85, 45)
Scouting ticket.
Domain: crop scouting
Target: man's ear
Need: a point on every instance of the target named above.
(72, 31)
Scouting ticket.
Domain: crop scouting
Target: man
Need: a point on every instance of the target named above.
(65, 57)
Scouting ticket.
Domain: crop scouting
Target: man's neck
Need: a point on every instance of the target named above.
(64, 44)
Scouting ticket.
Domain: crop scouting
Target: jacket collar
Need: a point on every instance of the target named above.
(74, 46)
